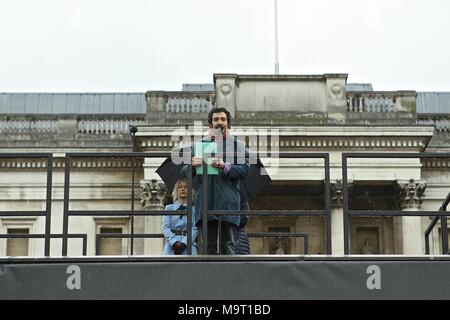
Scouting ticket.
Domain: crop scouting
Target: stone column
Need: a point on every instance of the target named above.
(411, 197)
(337, 219)
(152, 198)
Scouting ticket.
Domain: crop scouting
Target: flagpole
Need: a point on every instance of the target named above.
(277, 66)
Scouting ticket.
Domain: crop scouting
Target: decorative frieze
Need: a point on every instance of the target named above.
(436, 163)
(59, 163)
(294, 143)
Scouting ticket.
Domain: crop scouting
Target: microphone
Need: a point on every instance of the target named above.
(218, 132)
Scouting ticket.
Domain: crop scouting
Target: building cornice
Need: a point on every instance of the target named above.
(77, 164)
(273, 77)
(434, 164)
(298, 138)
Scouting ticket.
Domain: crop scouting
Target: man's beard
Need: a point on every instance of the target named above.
(218, 133)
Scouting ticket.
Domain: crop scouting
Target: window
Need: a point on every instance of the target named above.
(110, 246)
(17, 246)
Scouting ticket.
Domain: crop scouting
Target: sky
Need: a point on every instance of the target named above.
(140, 45)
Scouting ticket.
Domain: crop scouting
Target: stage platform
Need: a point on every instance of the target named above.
(226, 277)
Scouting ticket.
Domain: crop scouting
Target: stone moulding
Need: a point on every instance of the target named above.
(58, 163)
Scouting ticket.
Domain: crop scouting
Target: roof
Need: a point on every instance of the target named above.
(433, 102)
(72, 103)
(134, 103)
(358, 87)
(198, 87)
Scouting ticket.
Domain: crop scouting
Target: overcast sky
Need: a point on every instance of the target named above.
(139, 45)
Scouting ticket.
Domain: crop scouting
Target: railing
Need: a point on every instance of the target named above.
(326, 212)
(177, 105)
(442, 122)
(181, 101)
(444, 236)
(132, 212)
(82, 236)
(100, 236)
(47, 213)
(393, 213)
(442, 213)
(12, 125)
(283, 235)
(84, 124)
(371, 101)
(107, 126)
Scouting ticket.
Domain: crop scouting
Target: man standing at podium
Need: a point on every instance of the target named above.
(232, 165)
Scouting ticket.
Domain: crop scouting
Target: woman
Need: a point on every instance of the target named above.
(175, 227)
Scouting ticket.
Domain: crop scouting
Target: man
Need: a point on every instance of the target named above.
(232, 163)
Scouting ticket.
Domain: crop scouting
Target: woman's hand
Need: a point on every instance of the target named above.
(178, 247)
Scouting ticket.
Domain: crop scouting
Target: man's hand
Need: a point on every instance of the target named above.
(196, 162)
(178, 247)
(218, 163)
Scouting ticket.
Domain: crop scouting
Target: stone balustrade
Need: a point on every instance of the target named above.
(441, 122)
(380, 101)
(107, 126)
(187, 105)
(89, 124)
(178, 107)
(24, 125)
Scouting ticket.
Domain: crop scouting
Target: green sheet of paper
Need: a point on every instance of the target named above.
(210, 148)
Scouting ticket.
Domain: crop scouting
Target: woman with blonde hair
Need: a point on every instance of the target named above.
(175, 227)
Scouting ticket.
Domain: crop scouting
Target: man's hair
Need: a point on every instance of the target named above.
(217, 110)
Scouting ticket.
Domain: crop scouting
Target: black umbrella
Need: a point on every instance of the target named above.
(256, 180)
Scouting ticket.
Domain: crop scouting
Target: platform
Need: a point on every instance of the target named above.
(226, 277)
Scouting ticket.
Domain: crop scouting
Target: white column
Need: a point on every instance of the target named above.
(153, 195)
(411, 198)
(337, 219)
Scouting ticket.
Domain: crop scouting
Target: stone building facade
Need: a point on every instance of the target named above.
(307, 114)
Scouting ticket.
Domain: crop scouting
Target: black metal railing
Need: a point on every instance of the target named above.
(326, 212)
(82, 236)
(100, 236)
(132, 212)
(283, 235)
(47, 213)
(433, 223)
(348, 213)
